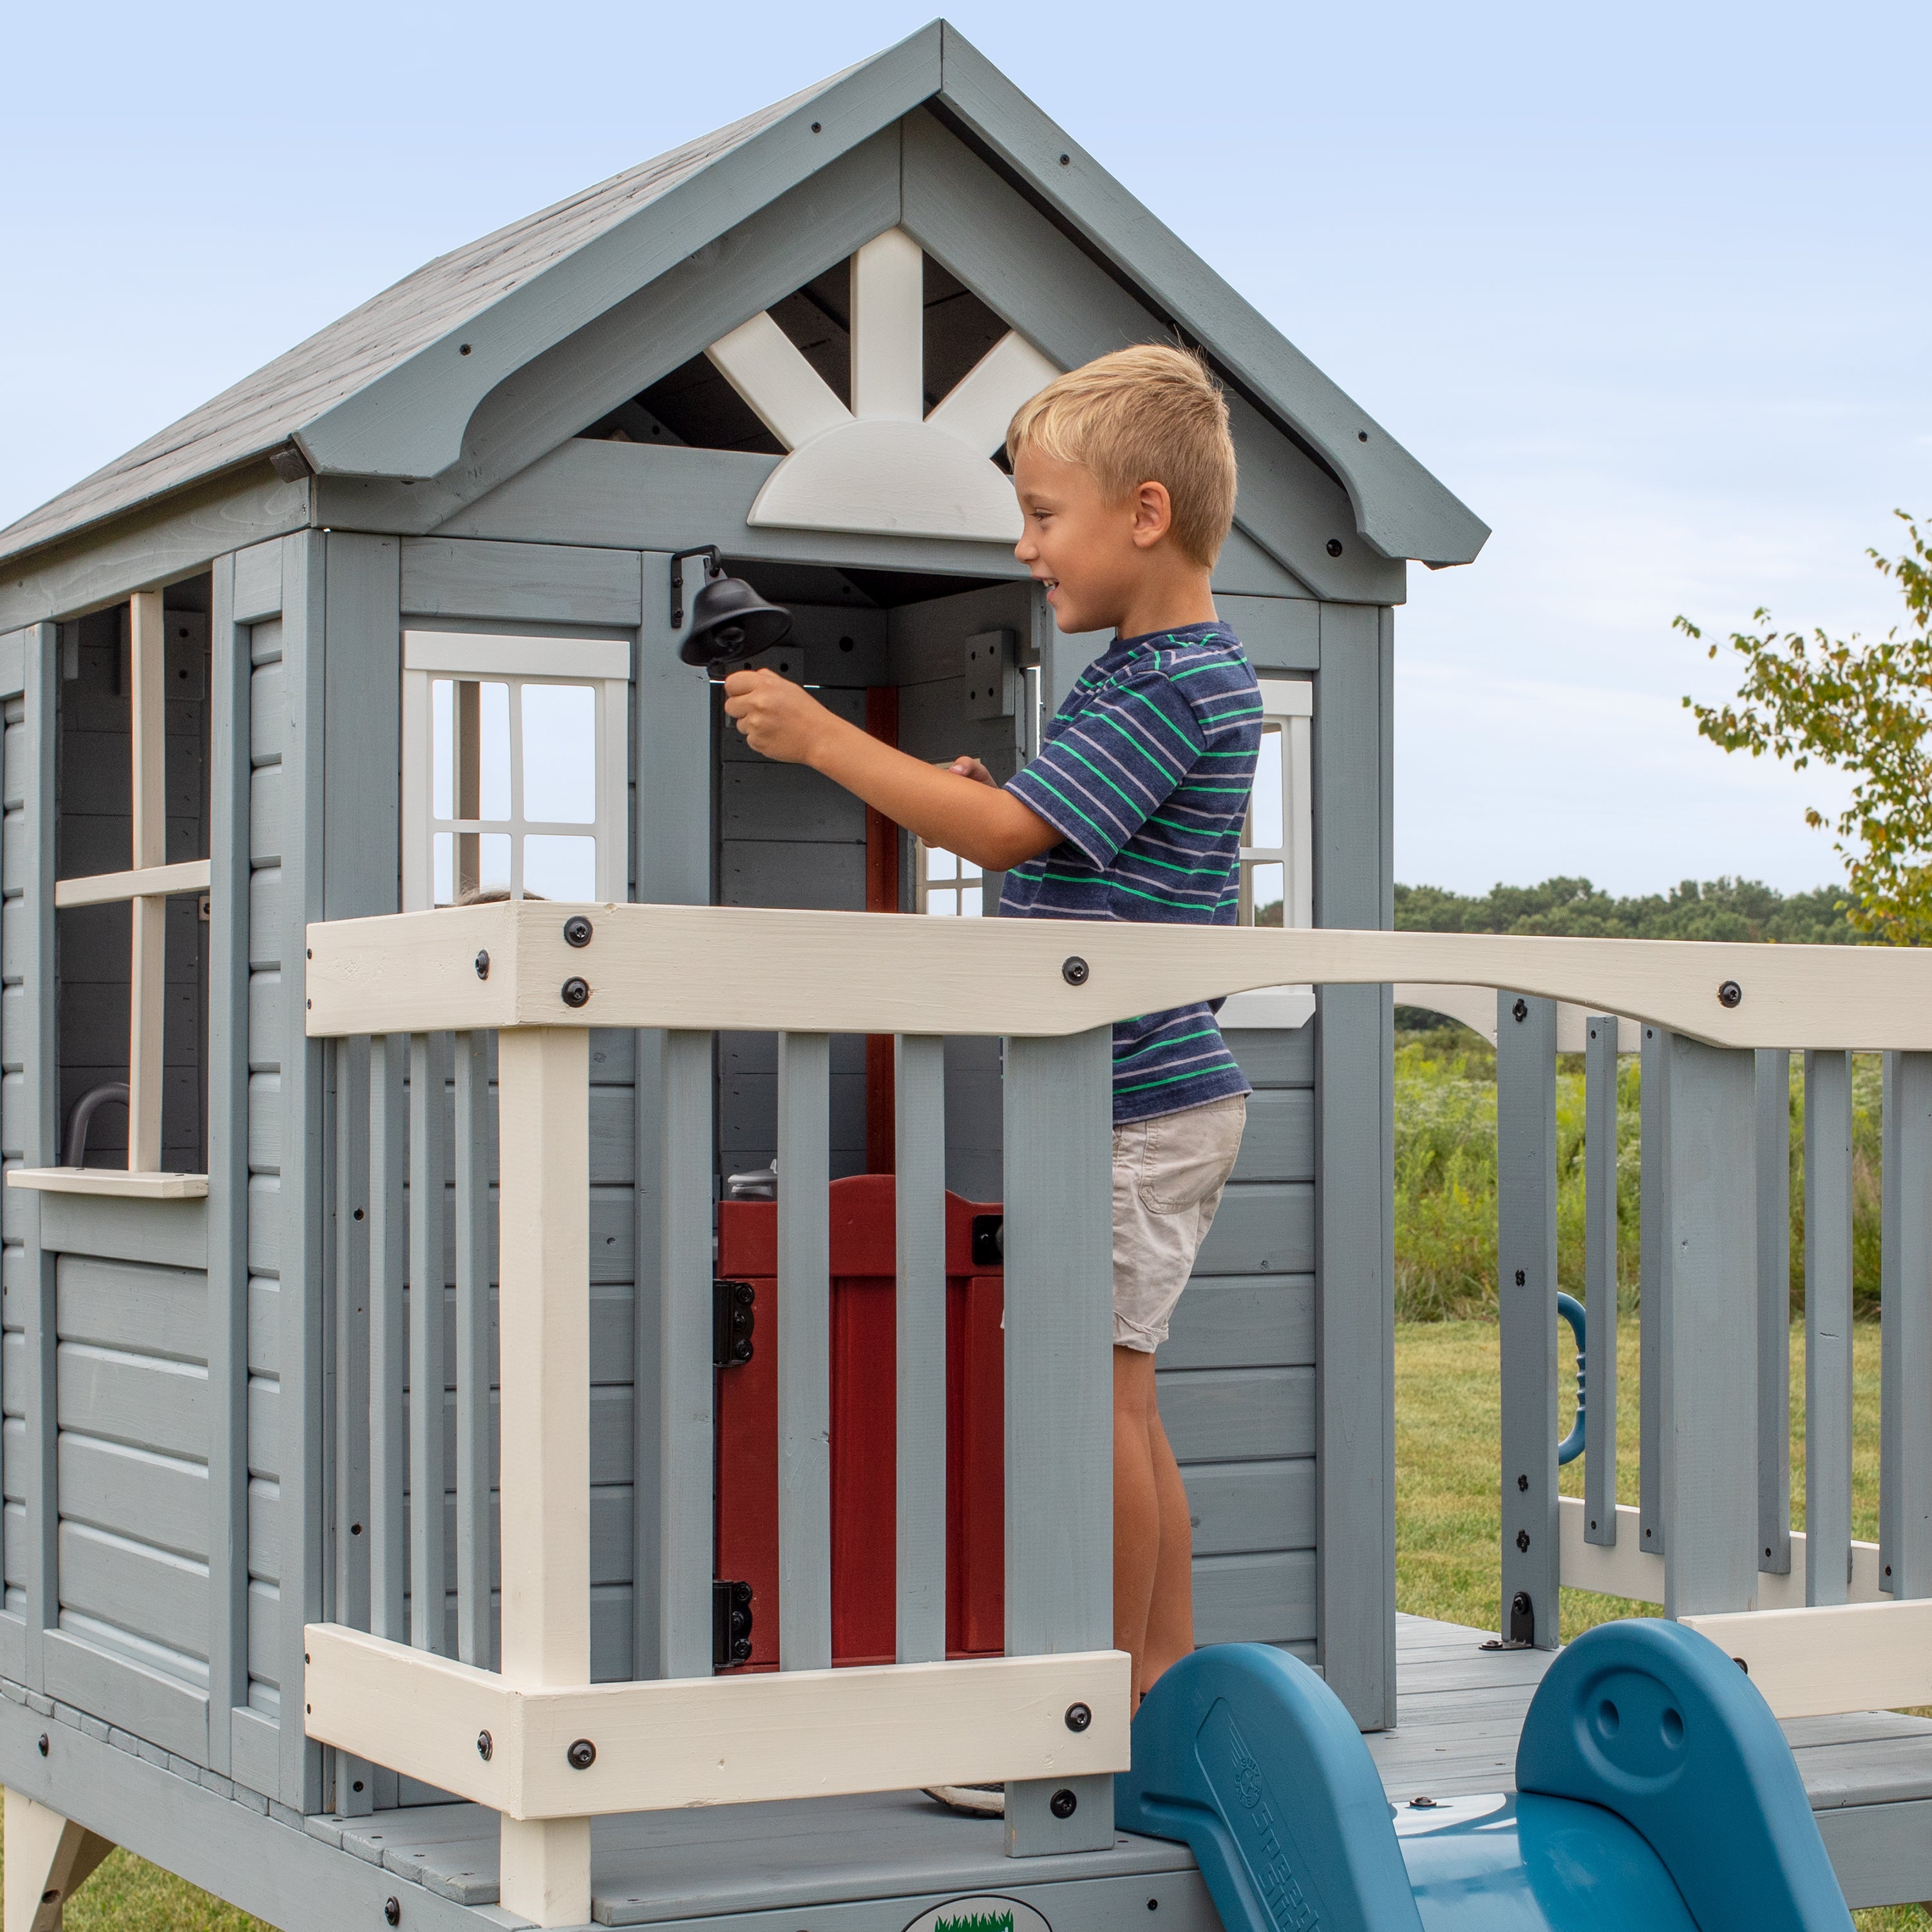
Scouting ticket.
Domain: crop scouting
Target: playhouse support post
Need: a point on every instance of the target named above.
(1654, 1286)
(1526, 1258)
(543, 1085)
(1601, 1285)
(1774, 1312)
(1828, 1327)
(48, 1858)
(1905, 1504)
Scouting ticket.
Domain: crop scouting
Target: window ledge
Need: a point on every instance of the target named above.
(112, 1180)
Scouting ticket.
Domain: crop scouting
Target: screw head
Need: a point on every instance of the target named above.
(392, 1910)
(1422, 1804)
(482, 965)
(1523, 1541)
(1075, 971)
(1079, 1717)
(1729, 994)
(485, 1744)
(1520, 1277)
(1064, 1803)
(1522, 1484)
(576, 930)
(576, 992)
(582, 1755)
(1334, 546)
(1519, 1012)
(43, 1743)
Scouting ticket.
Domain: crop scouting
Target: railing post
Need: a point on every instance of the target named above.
(805, 1352)
(388, 1352)
(1774, 1311)
(355, 1780)
(473, 1365)
(1526, 1259)
(1600, 1280)
(1907, 1338)
(1828, 1327)
(919, 1126)
(1654, 1284)
(1709, 1413)
(428, 1468)
(1059, 1373)
(544, 1318)
(686, 1444)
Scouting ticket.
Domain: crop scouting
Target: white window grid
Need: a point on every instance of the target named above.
(1282, 773)
(603, 664)
(945, 884)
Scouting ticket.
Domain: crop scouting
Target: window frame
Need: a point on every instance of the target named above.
(1287, 704)
(602, 663)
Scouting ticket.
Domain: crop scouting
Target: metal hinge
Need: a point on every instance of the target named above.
(734, 1316)
(730, 1624)
(1522, 1626)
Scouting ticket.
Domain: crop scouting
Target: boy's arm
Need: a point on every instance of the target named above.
(956, 809)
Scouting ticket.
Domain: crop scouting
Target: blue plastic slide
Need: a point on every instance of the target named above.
(1655, 1793)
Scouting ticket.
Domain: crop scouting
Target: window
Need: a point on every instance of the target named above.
(1278, 846)
(515, 777)
(134, 692)
(947, 884)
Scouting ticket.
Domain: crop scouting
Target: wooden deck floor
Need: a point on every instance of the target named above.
(1869, 1778)
(1868, 1775)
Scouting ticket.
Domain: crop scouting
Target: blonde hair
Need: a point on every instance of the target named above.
(1152, 413)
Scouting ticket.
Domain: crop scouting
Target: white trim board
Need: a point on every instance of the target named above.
(480, 654)
(110, 1181)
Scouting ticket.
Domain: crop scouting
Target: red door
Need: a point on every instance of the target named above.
(864, 1429)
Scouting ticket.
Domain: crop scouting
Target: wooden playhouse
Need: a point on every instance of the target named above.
(393, 625)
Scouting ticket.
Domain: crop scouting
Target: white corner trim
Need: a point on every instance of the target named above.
(110, 1181)
(983, 403)
(190, 875)
(470, 654)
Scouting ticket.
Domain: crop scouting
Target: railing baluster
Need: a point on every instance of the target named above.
(1828, 1326)
(428, 1611)
(1526, 1260)
(1774, 1311)
(1600, 1279)
(388, 1336)
(1709, 1412)
(473, 1363)
(1889, 1249)
(920, 1199)
(1059, 1419)
(805, 1352)
(354, 1796)
(1654, 1284)
(685, 1515)
(1908, 1339)
(544, 1315)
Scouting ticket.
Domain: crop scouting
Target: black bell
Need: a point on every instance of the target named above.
(731, 622)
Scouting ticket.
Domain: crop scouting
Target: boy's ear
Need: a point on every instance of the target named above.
(1153, 514)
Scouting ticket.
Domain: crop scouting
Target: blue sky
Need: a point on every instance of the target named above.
(1647, 287)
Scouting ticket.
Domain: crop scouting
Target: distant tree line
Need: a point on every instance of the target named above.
(1715, 909)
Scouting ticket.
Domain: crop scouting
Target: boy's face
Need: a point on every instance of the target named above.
(1093, 554)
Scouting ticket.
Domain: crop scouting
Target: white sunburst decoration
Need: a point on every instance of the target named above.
(884, 466)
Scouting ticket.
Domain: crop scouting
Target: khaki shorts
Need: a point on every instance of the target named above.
(1168, 1173)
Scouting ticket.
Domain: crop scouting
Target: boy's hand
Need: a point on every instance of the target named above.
(971, 768)
(775, 717)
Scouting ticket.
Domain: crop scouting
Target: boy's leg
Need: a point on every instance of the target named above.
(1137, 1505)
(1170, 1627)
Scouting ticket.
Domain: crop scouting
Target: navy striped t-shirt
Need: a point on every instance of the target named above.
(1145, 772)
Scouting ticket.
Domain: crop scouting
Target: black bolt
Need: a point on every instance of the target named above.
(1075, 971)
(576, 930)
(43, 1743)
(1334, 546)
(355, 1529)
(1066, 160)
(1154, 1905)
(1522, 1483)
(485, 1744)
(462, 348)
(1063, 1803)
(1522, 1540)
(1079, 1717)
(392, 1908)
(1741, 1665)
(482, 965)
(1729, 993)
(1361, 436)
(1519, 1012)
(582, 1755)
(576, 992)
(818, 127)
(1520, 1277)
(1422, 1804)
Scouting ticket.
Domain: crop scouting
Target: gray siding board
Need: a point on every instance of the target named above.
(1255, 1599)
(1243, 1321)
(1355, 1110)
(161, 1598)
(761, 800)
(1248, 1508)
(537, 584)
(811, 877)
(1278, 1143)
(1262, 1228)
(1275, 1056)
(1278, 634)
(162, 1500)
(173, 1233)
(136, 1399)
(151, 1705)
(1226, 1415)
(129, 1305)
(257, 583)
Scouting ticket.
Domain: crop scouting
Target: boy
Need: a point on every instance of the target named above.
(1125, 472)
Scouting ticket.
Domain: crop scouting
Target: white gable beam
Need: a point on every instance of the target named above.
(889, 329)
(782, 389)
(983, 403)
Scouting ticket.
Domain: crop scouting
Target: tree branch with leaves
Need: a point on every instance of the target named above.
(1862, 708)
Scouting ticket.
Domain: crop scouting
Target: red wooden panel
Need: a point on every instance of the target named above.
(864, 1429)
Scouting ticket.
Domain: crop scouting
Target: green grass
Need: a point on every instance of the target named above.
(1447, 1520)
